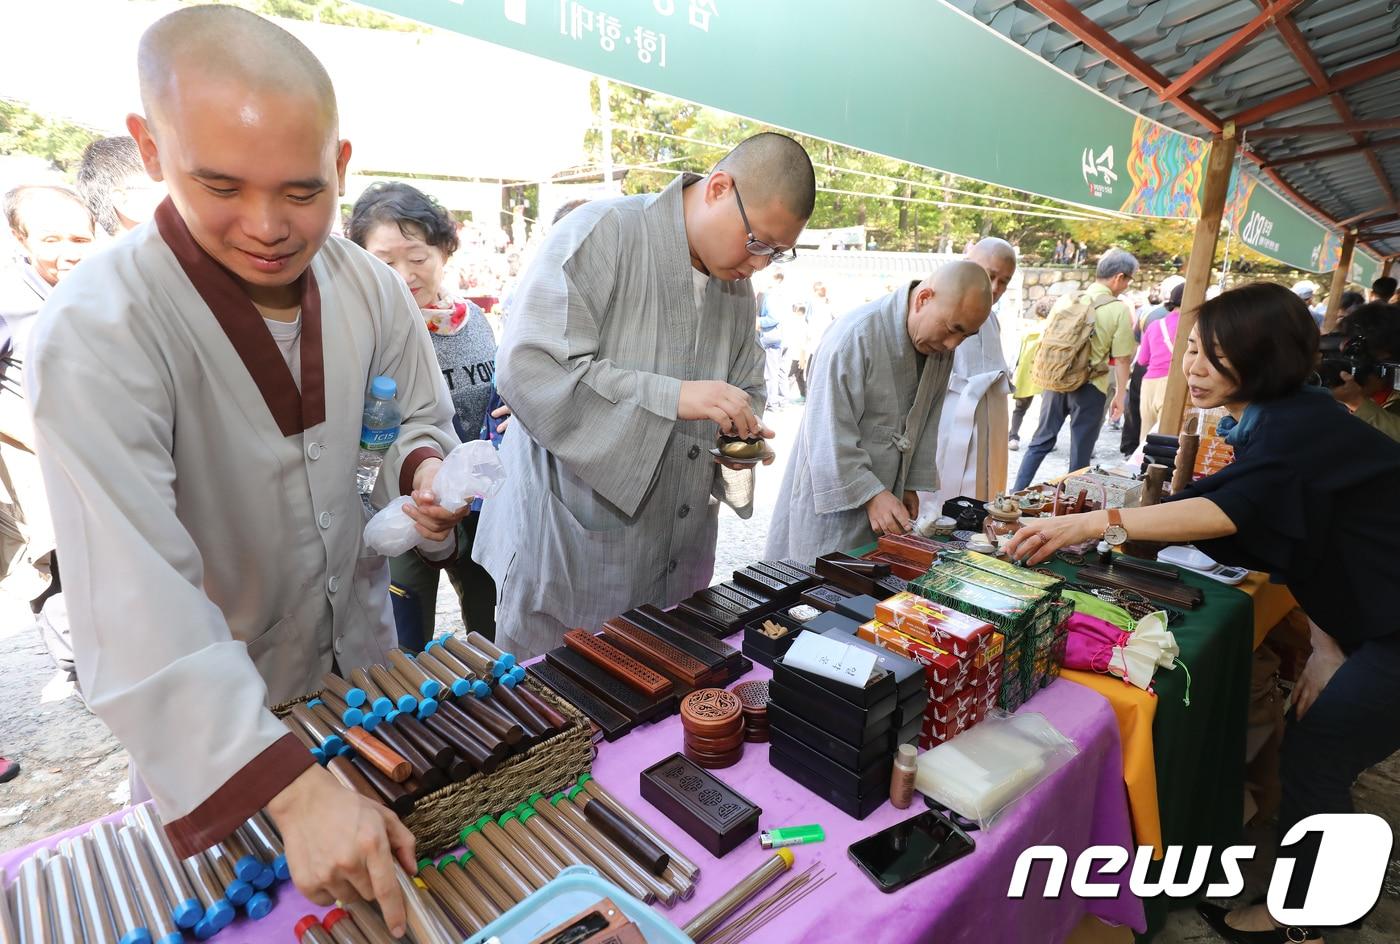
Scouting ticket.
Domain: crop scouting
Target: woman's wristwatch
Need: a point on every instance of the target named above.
(1115, 534)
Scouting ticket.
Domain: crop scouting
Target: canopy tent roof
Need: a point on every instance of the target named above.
(926, 82)
(1313, 85)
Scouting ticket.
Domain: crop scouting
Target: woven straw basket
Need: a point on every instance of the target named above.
(438, 817)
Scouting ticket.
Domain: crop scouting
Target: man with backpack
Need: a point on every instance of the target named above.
(1085, 330)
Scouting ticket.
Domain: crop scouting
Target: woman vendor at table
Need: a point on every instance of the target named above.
(1310, 498)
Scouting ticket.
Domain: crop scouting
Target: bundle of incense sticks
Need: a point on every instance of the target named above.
(507, 858)
(122, 882)
(399, 731)
(768, 908)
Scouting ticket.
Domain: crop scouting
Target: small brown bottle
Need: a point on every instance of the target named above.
(902, 783)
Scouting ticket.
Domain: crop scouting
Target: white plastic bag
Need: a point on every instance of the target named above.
(391, 532)
(472, 469)
(982, 771)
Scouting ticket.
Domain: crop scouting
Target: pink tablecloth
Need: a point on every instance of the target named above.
(1080, 805)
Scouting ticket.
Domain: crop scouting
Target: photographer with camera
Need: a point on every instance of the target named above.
(1358, 365)
(1309, 498)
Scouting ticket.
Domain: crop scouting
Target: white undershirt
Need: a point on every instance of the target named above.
(701, 282)
(287, 334)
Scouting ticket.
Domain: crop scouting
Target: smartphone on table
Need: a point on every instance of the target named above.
(907, 851)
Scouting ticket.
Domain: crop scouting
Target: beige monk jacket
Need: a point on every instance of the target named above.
(205, 507)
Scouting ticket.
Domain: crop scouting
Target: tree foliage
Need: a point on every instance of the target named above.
(334, 12)
(655, 134)
(25, 131)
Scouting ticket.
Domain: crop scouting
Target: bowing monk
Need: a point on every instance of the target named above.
(972, 432)
(197, 391)
(869, 437)
(630, 347)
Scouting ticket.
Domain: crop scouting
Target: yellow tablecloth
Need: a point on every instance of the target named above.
(1272, 602)
(1136, 710)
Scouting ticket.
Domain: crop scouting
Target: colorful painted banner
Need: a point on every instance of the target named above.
(916, 80)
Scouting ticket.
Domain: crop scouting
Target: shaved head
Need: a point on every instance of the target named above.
(992, 248)
(774, 167)
(241, 126)
(226, 45)
(998, 259)
(751, 208)
(949, 306)
(962, 279)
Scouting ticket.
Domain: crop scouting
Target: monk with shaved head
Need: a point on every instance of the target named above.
(974, 428)
(868, 440)
(198, 391)
(629, 350)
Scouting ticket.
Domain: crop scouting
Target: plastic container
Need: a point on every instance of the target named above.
(982, 771)
(379, 427)
(575, 889)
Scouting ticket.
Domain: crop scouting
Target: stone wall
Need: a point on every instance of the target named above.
(1055, 281)
(1033, 283)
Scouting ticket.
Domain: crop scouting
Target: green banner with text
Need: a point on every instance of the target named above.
(915, 80)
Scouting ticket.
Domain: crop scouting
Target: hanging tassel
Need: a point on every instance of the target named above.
(1186, 699)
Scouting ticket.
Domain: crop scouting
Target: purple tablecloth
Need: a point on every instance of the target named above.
(1080, 805)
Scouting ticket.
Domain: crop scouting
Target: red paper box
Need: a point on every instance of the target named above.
(945, 673)
(956, 633)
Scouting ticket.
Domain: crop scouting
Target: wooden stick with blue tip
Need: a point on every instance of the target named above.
(379, 702)
(479, 663)
(492, 651)
(352, 695)
(411, 673)
(398, 693)
(453, 683)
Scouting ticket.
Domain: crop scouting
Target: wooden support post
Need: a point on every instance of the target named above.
(1339, 283)
(1386, 266)
(1214, 192)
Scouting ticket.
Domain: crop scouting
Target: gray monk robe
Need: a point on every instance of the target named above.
(861, 387)
(205, 506)
(611, 501)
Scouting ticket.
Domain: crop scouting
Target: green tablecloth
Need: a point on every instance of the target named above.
(1199, 748)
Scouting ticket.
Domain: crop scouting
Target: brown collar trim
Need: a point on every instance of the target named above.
(294, 411)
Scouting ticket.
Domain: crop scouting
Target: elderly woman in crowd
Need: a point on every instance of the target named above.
(409, 231)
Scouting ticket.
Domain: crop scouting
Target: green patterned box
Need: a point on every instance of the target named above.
(995, 581)
(1007, 613)
(1003, 568)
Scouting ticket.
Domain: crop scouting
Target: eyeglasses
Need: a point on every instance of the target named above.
(756, 246)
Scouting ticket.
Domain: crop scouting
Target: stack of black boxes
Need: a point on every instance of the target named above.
(839, 740)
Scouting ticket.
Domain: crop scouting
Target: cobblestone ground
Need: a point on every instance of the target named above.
(74, 770)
